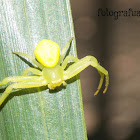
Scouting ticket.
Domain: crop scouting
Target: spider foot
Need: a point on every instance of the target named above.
(96, 92)
(106, 84)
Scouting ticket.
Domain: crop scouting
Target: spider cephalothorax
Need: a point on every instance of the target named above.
(52, 69)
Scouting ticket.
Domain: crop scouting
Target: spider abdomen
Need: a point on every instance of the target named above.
(54, 75)
(47, 53)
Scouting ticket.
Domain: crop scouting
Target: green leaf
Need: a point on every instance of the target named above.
(37, 113)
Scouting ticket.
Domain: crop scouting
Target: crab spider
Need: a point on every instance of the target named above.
(52, 69)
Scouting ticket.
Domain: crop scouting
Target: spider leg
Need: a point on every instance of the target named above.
(21, 85)
(81, 65)
(100, 83)
(29, 57)
(33, 70)
(65, 62)
(65, 49)
(20, 79)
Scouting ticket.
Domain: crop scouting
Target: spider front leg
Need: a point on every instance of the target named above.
(33, 70)
(30, 84)
(29, 57)
(82, 64)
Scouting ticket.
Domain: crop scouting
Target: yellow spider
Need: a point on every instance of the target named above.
(52, 69)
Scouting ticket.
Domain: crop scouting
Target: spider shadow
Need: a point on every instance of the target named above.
(68, 50)
(20, 92)
(73, 79)
(26, 61)
(57, 89)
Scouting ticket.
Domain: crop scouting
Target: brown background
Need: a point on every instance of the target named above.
(116, 45)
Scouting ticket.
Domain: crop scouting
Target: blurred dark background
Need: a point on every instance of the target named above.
(116, 45)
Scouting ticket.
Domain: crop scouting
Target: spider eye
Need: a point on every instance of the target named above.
(47, 53)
